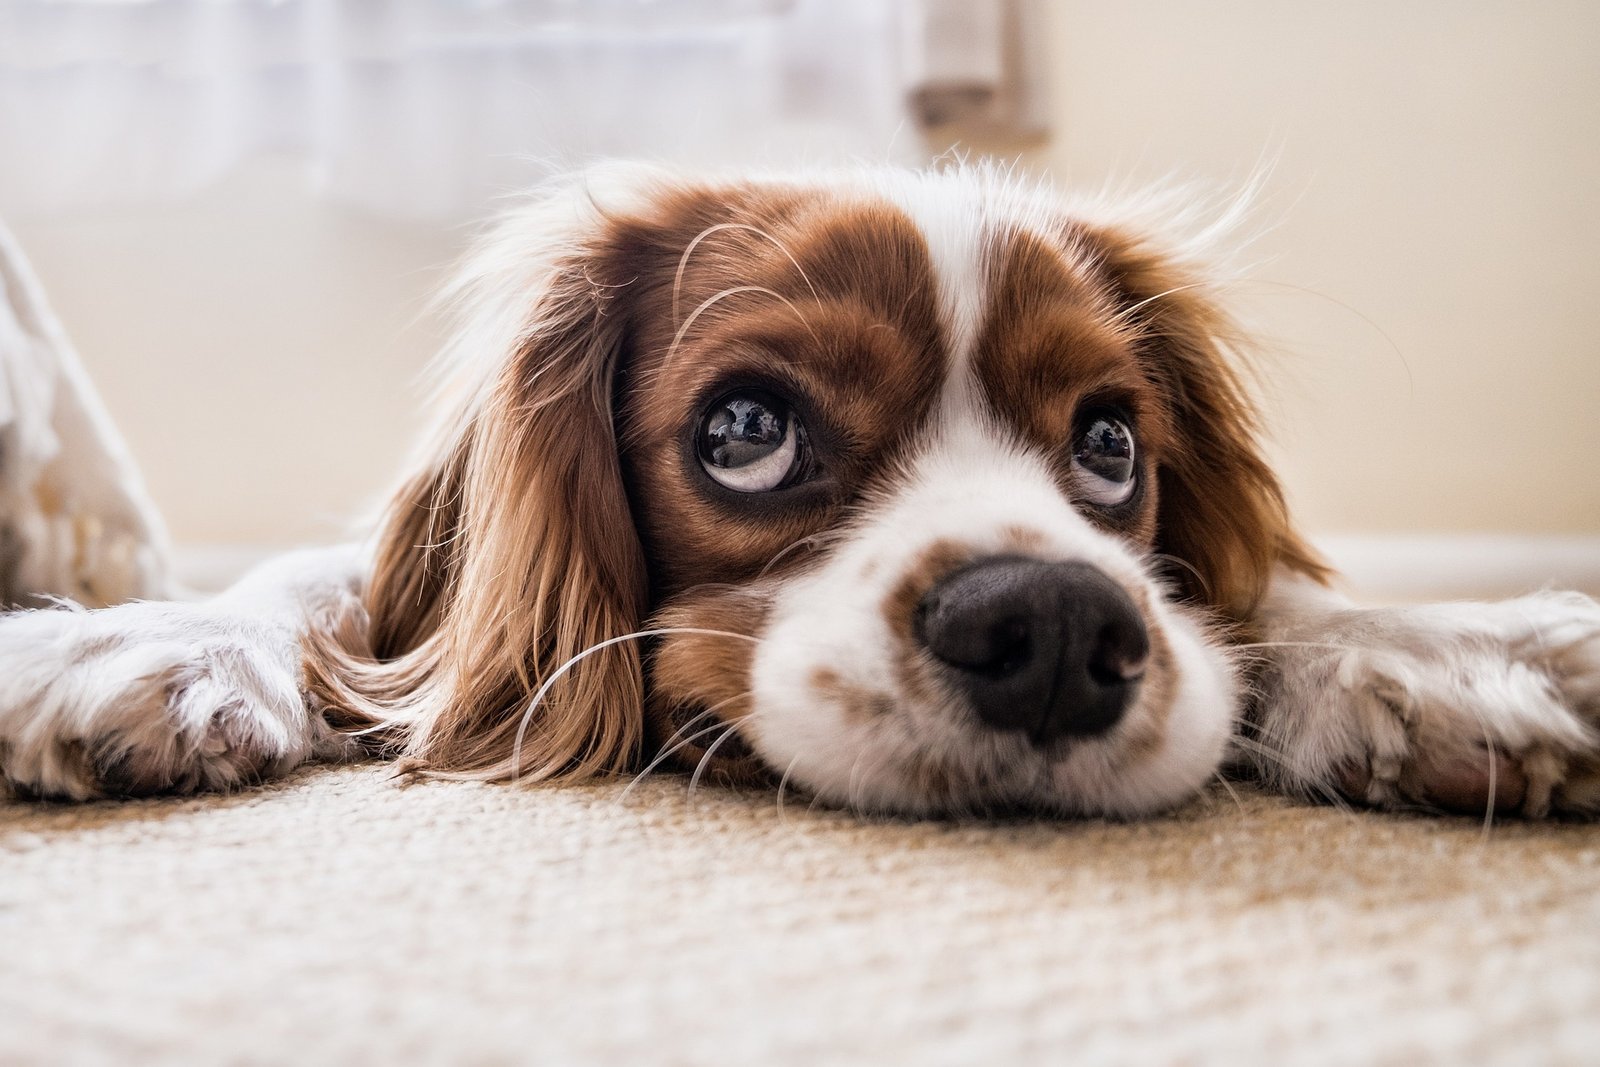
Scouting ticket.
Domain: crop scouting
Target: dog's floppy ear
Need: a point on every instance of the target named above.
(1221, 509)
(511, 555)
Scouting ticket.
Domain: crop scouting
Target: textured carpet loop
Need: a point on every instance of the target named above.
(338, 917)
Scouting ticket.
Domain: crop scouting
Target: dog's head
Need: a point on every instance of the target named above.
(919, 487)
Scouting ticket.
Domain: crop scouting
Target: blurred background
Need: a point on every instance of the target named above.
(240, 207)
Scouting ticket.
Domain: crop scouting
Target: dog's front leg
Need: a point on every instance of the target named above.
(1461, 706)
(154, 697)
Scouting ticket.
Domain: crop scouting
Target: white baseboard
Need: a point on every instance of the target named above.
(209, 566)
(1462, 566)
(1387, 567)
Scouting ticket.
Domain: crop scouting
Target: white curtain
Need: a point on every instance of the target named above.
(427, 108)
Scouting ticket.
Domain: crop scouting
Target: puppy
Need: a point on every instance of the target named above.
(919, 492)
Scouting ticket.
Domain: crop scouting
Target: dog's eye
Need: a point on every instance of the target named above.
(752, 442)
(1103, 458)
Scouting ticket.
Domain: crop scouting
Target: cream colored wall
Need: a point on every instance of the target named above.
(1436, 186)
(258, 347)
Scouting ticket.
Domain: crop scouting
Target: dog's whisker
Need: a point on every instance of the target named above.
(1276, 757)
(667, 751)
(1227, 787)
(672, 744)
(783, 784)
(705, 760)
(1296, 644)
(638, 635)
(1248, 727)
(850, 789)
(809, 541)
(1167, 557)
(1491, 754)
(1316, 783)
(1257, 651)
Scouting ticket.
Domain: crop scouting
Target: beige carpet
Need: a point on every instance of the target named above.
(339, 918)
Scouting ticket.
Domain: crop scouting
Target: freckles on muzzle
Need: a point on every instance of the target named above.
(974, 675)
(1048, 650)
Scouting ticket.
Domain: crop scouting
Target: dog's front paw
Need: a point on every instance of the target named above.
(149, 698)
(1465, 707)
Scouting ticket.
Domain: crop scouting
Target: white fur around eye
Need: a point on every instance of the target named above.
(766, 473)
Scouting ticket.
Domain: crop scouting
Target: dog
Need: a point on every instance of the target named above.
(923, 493)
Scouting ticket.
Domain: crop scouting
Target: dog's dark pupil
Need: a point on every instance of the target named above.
(741, 430)
(1106, 449)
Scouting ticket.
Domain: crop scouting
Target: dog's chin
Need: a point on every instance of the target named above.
(933, 758)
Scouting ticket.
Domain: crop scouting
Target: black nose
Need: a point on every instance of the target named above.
(1050, 649)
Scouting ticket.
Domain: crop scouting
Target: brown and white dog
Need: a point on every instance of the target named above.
(919, 492)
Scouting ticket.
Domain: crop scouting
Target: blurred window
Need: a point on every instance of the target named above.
(426, 108)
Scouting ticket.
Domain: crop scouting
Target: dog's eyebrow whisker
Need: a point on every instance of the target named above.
(683, 260)
(557, 674)
(1122, 317)
(1388, 339)
(713, 299)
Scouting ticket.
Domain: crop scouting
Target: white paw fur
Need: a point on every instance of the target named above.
(1459, 706)
(165, 697)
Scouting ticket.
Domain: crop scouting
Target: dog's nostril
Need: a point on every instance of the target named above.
(1120, 654)
(1049, 649)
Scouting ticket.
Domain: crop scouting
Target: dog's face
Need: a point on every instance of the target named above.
(909, 449)
(909, 477)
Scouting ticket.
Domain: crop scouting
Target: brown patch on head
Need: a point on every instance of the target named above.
(1221, 510)
(1050, 348)
(1087, 318)
(564, 503)
(827, 306)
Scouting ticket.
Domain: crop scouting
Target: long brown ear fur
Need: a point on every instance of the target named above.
(1222, 510)
(512, 553)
